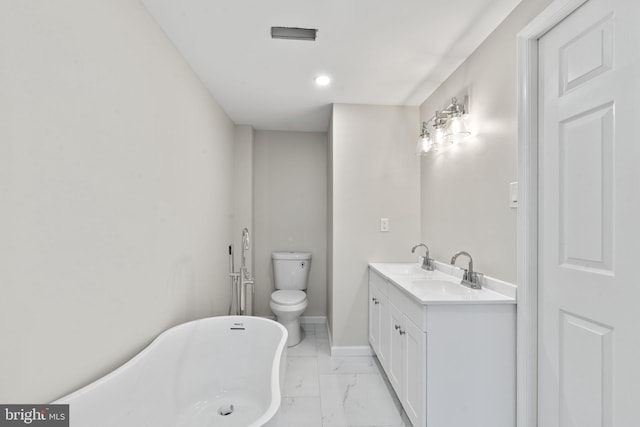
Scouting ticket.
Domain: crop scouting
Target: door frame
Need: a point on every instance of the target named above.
(527, 233)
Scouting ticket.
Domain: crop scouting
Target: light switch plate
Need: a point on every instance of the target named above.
(513, 194)
(384, 224)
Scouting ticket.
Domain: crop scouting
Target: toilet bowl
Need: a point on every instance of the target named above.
(289, 301)
(288, 306)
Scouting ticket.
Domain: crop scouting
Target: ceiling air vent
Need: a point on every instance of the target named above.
(290, 33)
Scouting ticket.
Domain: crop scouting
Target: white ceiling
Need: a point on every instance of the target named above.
(384, 52)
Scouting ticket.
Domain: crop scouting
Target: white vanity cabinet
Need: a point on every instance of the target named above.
(399, 344)
(451, 365)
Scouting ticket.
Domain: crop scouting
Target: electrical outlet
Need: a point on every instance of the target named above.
(384, 224)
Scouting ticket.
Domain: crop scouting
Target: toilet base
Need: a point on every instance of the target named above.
(294, 330)
(289, 317)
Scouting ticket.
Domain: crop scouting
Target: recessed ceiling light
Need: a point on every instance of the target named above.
(322, 80)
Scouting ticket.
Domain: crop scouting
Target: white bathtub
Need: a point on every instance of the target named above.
(188, 375)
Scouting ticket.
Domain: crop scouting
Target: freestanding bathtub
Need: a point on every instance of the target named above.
(220, 371)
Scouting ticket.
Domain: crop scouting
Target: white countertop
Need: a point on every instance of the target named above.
(438, 287)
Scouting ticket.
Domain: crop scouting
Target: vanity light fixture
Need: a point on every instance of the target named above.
(456, 129)
(449, 125)
(440, 124)
(425, 143)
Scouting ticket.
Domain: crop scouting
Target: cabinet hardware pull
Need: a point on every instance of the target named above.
(397, 327)
(401, 332)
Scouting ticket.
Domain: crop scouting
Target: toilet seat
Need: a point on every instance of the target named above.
(288, 297)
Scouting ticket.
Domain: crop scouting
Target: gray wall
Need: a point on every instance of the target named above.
(464, 192)
(290, 196)
(243, 198)
(375, 174)
(115, 191)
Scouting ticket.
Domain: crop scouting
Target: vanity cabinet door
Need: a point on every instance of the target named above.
(374, 319)
(385, 333)
(415, 369)
(397, 350)
(379, 333)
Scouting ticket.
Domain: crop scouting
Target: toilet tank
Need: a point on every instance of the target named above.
(291, 269)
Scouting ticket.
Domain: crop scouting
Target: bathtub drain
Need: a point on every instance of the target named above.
(225, 410)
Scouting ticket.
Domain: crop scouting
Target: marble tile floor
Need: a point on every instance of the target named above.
(325, 391)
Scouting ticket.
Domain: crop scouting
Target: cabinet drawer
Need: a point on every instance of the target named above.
(414, 311)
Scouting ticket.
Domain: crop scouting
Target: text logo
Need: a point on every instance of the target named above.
(34, 415)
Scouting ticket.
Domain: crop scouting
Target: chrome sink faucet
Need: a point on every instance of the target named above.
(470, 277)
(427, 263)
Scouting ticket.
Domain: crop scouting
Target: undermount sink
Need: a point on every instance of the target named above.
(443, 288)
(409, 269)
(449, 290)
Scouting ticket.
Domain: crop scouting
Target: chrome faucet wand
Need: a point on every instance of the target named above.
(245, 248)
(245, 276)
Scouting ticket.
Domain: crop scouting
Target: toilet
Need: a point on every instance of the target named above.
(289, 300)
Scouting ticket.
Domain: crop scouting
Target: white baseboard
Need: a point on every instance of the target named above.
(306, 320)
(337, 351)
(313, 320)
(351, 351)
(348, 350)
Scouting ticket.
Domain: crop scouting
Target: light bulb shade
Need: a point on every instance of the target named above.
(439, 139)
(424, 145)
(456, 129)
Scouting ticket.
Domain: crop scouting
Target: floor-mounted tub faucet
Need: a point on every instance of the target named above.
(427, 263)
(245, 248)
(470, 277)
(241, 295)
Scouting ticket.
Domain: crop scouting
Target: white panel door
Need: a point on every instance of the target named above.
(589, 218)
